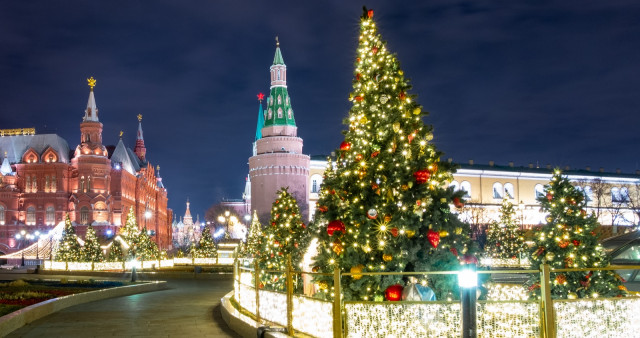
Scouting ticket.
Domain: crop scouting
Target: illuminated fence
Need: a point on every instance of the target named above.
(514, 317)
(106, 266)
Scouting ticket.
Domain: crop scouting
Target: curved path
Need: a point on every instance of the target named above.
(189, 308)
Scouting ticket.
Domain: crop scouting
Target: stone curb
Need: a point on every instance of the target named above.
(18, 319)
(241, 324)
(142, 274)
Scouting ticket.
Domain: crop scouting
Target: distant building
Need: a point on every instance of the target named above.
(42, 180)
(186, 232)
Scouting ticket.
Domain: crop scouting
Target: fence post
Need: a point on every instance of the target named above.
(256, 271)
(337, 305)
(548, 318)
(289, 279)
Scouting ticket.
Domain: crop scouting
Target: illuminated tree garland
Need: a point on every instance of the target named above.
(206, 246)
(254, 240)
(69, 250)
(504, 238)
(91, 250)
(147, 249)
(568, 240)
(383, 204)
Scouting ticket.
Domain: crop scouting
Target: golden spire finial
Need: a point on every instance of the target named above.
(139, 117)
(121, 132)
(92, 82)
(158, 168)
(5, 154)
(277, 42)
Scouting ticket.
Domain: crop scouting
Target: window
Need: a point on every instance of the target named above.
(279, 99)
(278, 79)
(316, 182)
(455, 185)
(466, 186)
(2, 214)
(497, 190)
(84, 215)
(508, 190)
(34, 184)
(50, 215)
(290, 113)
(270, 113)
(616, 196)
(314, 186)
(279, 113)
(287, 100)
(31, 215)
(27, 185)
(54, 186)
(588, 193)
(624, 195)
(539, 190)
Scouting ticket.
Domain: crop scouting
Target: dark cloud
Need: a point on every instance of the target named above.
(525, 81)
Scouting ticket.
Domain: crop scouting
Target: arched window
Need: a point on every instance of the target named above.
(279, 113)
(2, 216)
(497, 190)
(624, 195)
(34, 184)
(466, 186)
(84, 215)
(287, 100)
(270, 113)
(316, 181)
(54, 185)
(290, 113)
(615, 195)
(588, 193)
(50, 215)
(278, 79)
(455, 185)
(31, 215)
(539, 190)
(279, 99)
(508, 190)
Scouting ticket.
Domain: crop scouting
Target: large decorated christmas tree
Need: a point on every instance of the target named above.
(384, 203)
(116, 254)
(206, 246)
(568, 240)
(504, 238)
(283, 237)
(91, 250)
(69, 250)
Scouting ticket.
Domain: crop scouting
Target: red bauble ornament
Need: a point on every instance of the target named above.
(433, 237)
(549, 196)
(358, 77)
(576, 242)
(454, 251)
(457, 203)
(323, 208)
(345, 146)
(410, 138)
(359, 157)
(402, 95)
(375, 153)
(422, 176)
(358, 98)
(374, 50)
(370, 13)
(333, 226)
(469, 259)
(393, 293)
(394, 232)
(564, 244)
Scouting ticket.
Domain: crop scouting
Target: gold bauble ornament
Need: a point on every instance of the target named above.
(572, 295)
(363, 120)
(428, 137)
(444, 233)
(337, 248)
(357, 269)
(387, 257)
(410, 233)
(417, 111)
(323, 285)
(387, 218)
(549, 256)
(404, 187)
(458, 231)
(396, 126)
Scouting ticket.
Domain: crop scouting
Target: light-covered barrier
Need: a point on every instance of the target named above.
(606, 317)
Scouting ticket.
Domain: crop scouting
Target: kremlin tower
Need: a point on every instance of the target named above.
(277, 159)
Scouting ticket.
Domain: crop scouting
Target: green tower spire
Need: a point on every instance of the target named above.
(279, 111)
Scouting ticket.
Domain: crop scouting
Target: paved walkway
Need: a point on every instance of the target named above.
(189, 308)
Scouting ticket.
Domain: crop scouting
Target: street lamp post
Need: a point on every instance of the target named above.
(468, 282)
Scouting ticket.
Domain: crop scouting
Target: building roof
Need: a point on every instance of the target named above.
(17, 145)
(279, 101)
(123, 156)
(549, 171)
(260, 122)
(277, 59)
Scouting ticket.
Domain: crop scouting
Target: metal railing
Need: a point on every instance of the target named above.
(546, 326)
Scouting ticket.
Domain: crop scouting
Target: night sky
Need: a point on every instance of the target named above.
(547, 82)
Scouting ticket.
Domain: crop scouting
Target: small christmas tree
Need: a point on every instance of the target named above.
(91, 250)
(568, 240)
(384, 205)
(147, 249)
(504, 238)
(254, 240)
(285, 236)
(206, 247)
(130, 233)
(69, 250)
(116, 254)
